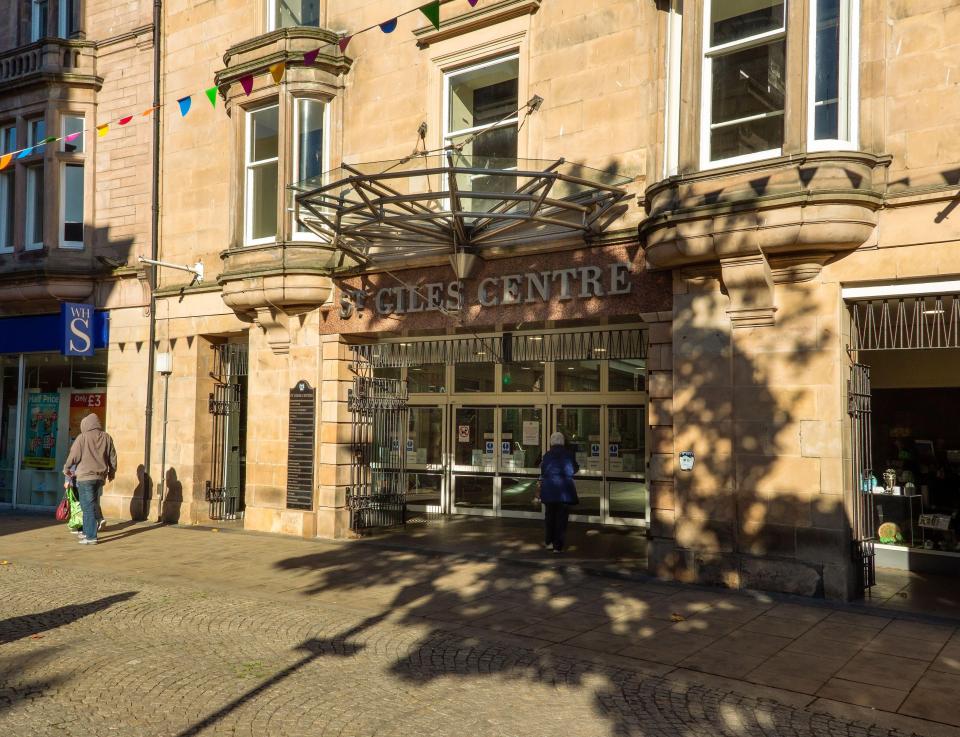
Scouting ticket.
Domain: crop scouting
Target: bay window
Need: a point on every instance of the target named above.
(71, 182)
(262, 173)
(8, 144)
(831, 117)
(309, 155)
(744, 80)
(38, 19)
(292, 13)
(34, 215)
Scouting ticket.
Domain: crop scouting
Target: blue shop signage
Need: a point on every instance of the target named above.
(76, 321)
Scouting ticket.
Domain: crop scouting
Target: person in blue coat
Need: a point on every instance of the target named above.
(557, 490)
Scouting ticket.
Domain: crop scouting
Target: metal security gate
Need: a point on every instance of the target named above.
(858, 407)
(227, 407)
(377, 493)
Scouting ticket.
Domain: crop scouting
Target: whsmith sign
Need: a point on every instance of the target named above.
(582, 282)
(77, 327)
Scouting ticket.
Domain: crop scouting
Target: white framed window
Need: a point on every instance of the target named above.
(744, 81)
(262, 174)
(33, 235)
(71, 205)
(38, 19)
(7, 189)
(833, 72)
(478, 97)
(292, 13)
(8, 139)
(71, 124)
(310, 150)
(671, 121)
(36, 131)
(66, 21)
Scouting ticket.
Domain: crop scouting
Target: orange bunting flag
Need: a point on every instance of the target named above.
(342, 43)
(5, 161)
(146, 112)
(102, 129)
(124, 121)
(276, 71)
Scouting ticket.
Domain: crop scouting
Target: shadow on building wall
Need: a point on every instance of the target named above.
(172, 497)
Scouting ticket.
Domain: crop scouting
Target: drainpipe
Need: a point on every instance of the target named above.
(154, 253)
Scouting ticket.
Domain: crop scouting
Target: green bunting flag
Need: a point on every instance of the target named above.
(432, 11)
(212, 95)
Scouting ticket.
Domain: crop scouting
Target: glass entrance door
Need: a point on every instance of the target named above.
(474, 460)
(521, 449)
(424, 448)
(582, 429)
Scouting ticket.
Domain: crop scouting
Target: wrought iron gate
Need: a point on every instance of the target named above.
(377, 493)
(226, 404)
(858, 407)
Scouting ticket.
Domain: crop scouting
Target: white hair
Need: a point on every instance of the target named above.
(557, 439)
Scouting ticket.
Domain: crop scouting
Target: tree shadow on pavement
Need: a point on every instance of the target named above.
(28, 625)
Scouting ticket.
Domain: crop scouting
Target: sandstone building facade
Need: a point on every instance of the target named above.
(713, 243)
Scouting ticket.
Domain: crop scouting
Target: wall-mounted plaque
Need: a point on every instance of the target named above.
(301, 446)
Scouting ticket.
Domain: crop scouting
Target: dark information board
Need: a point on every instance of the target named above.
(301, 446)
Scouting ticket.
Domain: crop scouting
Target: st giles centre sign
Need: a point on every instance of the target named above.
(531, 287)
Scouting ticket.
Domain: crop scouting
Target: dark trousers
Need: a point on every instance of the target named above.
(555, 524)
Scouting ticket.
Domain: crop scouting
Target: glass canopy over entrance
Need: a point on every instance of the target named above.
(438, 204)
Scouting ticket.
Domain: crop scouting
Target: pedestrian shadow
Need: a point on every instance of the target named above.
(123, 530)
(28, 625)
(15, 687)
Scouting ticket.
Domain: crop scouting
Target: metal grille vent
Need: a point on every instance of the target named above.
(906, 322)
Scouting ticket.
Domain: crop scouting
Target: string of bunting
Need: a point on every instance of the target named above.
(430, 10)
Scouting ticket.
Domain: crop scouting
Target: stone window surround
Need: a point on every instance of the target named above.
(797, 135)
(52, 158)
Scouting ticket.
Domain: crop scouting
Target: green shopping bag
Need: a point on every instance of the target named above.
(75, 522)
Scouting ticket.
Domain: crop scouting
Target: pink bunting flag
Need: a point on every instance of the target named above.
(473, 3)
(277, 70)
(247, 84)
(389, 26)
(72, 137)
(124, 121)
(342, 43)
(310, 57)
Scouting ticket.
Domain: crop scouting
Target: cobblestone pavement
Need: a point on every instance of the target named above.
(86, 652)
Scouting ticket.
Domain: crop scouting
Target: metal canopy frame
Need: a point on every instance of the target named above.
(926, 321)
(438, 204)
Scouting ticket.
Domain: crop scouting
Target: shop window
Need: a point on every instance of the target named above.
(71, 204)
(292, 13)
(262, 172)
(833, 74)
(430, 378)
(577, 376)
(34, 215)
(523, 377)
(627, 375)
(475, 377)
(309, 155)
(9, 373)
(744, 76)
(476, 97)
(38, 19)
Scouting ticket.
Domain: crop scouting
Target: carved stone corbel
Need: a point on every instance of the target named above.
(749, 284)
(278, 327)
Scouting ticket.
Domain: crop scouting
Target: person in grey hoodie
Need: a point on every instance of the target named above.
(95, 459)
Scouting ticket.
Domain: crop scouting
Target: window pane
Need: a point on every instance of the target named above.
(7, 190)
(627, 375)
(482, 96)
(589, 493)
(67, 18)
(517, 494)
(38, 20)
(310, 143)
(38, 131)
(424, 488)
(429, 378)
(8, 139)
(581, 430)
(264, 202)
(523, 377)
(475, 438)
(827, 86)
(73, 125)
(426, 433)
(73, 203)
(577, 376)
(264, 134)
(474, 491)
(519, 425)
(733, 20)
(34, 205)
(386, 372)
(297, 13)
(475, 377)
(626, 440)
(628, 499)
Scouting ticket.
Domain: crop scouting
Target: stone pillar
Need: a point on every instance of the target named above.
(333, 519)
(661, 551)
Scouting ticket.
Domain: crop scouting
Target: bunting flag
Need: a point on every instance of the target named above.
(310, 57)
(247, 84)
(432, 11)
(389, 26)
(473, 3)
(102, 130)
(342, 43)
(147, 112)
(212, 95)
(185, 103)
(48, 139)
(72, 137)
(124, 121)
(5, 161)
(276, 71)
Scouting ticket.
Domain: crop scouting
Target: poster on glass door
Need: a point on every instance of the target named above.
(40, 431)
